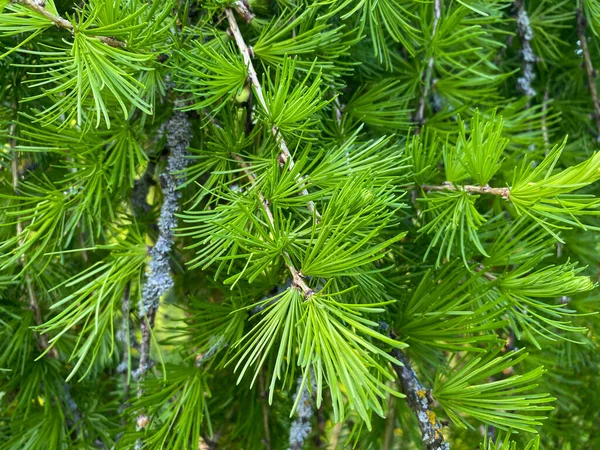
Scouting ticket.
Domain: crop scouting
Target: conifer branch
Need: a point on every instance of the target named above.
(297, 278)
(285, 157)
(419, 400)
(420, 117)
(38, 7)
(502, 192)
(589, 68)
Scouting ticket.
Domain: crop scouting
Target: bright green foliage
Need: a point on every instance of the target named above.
(467, 391)
(198, 252)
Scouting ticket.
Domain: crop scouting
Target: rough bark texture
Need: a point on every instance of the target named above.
(419, 400)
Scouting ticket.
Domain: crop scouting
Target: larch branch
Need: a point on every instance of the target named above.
(38, 7)
(297, 277)
(285, 157)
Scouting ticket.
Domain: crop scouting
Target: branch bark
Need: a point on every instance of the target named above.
(159, 281)
(419, 400)
(525, 32)
(589, 68)
(285, 157)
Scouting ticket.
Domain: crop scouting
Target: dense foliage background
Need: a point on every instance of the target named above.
(278, 224)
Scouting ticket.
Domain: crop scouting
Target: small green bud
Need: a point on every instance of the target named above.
(244, 95)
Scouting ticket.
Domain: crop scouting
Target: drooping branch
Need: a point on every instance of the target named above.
(39, 7)
(419, 400)
(285, 157)
(420, 117)
(589, 68)
(502, 192)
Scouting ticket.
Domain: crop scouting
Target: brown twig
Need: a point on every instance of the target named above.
(589, 68)
(420, 117)
(243, 8)
(285, 157)
(419, 400)
(60, 22)
(502, 192)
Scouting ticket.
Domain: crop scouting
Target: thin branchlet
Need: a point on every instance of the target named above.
(34, 306)
(502, 192)
(285, 157)
(297, 277)
(39, 7)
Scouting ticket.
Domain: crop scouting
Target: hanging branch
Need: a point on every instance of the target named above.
(589, 68)
(503, 192)
(525, 33)
(419, 400)
(39, 7)
(420, 117)
(285, 157)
